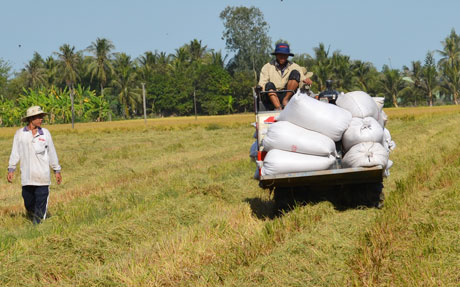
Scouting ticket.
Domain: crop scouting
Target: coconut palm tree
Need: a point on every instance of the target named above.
(450, 54)
(413, 75)
(217, 59)
(101, 66)
(341, 66)
(323, 69)
(124, 81)
(196, 50)
(147, 64)
(364, 76)
(429, 77)
(68, 63)
(181, 58)
(450, 80)
(449, 64)
(51, 66)
(35, 72)
(163, 58)
(392, 83)
(149, 60)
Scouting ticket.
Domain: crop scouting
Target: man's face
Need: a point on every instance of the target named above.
(282, 58)
(37, 120)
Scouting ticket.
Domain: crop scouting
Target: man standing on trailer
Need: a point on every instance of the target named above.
(34, 148)
(281, 74)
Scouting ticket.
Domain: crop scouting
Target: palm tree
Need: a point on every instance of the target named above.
(35, 72)
(450, 64)
(429, 77)
(101, 67)
(147, 64)
(341, 66)
(450, 80)
(51, 66)
(163, 58)
(392, 83)
(124, 81)
(197, 51)
(148, 60)
(323, 68)
(451, 52)
(217, 59)
(68, 62)
(181, 58)
(364, 76)
(413, 75)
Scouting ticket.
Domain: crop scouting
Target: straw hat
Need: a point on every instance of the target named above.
(33, 111)
(307, 74)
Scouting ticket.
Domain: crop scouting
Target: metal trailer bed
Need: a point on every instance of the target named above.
(341, 176)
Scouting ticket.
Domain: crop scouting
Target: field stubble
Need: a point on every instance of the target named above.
(173, 203)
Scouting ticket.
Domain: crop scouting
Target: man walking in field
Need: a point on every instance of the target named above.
(34, 148)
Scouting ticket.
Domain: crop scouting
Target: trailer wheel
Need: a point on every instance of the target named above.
(372, 195)
(284, 198)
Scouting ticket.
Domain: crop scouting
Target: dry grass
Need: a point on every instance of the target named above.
(173, 203)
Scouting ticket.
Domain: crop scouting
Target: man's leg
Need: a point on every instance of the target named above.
(273, 97)
(28, 194)
(292, 84)
(41, 203)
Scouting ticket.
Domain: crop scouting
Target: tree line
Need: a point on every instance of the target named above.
(103, 83)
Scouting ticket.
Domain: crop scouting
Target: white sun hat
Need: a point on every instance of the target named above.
(33, 111)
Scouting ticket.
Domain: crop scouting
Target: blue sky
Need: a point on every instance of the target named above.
(382, 32)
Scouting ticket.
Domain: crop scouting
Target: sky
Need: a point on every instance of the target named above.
(389, 32)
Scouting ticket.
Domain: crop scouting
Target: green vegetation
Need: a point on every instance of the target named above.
(173, 203)
(57, 103)
(172, 82)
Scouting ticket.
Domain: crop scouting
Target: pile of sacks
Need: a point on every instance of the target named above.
(304, 135)
(366, 142)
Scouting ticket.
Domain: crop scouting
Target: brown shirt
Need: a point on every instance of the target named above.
(271, 72)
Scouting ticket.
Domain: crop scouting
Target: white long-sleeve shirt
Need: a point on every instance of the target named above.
(36, 153)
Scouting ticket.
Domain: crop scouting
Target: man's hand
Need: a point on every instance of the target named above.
(10, 176)
(285, 101)
(58, 177)
(308, 81)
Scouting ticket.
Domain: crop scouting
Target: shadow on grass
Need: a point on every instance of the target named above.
(341, 197)
(262, 209)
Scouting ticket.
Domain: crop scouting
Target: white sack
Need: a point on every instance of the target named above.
(279, 162)
(286, 136)
(386, 172)
(317, 116)
(387, 142)
(362, 130)
(380, 101)
(366, 154)
(359, 104)
(383, 118)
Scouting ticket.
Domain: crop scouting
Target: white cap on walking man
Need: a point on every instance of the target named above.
(33, 111)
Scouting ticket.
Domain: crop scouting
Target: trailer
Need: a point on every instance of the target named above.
(364, 182)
